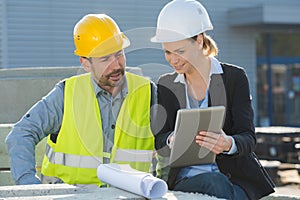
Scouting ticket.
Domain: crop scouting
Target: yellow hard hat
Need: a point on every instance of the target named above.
(97, 35)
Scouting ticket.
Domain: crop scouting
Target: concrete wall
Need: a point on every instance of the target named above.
(21, 88)
(5, 174)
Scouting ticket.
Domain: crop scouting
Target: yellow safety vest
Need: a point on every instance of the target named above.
(78, 150)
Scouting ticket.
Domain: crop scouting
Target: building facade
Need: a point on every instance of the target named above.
(259, 35)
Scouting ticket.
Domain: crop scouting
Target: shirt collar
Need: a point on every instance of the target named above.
(215, 69)
(99, 90)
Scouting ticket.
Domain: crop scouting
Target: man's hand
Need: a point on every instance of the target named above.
(215, 142)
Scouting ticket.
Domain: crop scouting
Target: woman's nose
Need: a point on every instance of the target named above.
(173, 58)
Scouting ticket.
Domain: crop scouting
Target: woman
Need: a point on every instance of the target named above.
(200, 80)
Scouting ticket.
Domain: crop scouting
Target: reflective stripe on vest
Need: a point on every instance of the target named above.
(127, 155)
(72, 160)
(93, 162)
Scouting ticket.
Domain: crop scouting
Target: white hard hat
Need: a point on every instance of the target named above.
(181, 19)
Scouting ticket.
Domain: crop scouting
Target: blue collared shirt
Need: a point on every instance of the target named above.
(109, 107)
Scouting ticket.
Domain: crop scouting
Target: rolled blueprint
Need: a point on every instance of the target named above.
(126, 178)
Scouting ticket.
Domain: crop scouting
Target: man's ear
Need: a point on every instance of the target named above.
(85, 63)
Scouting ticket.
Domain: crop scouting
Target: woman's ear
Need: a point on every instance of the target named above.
(200, 41)
(86, 64)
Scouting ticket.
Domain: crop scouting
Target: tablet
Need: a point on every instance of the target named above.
(185, 151)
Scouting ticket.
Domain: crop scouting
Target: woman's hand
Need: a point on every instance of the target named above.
(215, 142)
(170, 141)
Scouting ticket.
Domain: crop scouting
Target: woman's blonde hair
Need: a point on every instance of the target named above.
(209, 45)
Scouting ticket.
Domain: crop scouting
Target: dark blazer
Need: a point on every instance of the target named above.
(230, 89)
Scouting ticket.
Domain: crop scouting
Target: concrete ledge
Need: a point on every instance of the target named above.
(280, 197)
(68, 192)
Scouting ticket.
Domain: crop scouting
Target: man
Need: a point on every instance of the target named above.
(99, 117)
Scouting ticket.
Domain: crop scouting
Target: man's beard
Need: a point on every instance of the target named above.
(122, 71)
(104, 81)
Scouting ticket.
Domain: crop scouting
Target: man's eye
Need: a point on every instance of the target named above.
(104, 59)
(119, 54)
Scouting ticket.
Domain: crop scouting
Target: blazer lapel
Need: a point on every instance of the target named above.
(177, 89)
(217, 91)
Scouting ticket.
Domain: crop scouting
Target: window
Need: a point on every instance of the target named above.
(278, 79)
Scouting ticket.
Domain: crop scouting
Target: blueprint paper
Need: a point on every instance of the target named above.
(126, 178)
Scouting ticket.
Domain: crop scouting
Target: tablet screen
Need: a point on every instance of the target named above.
(185, 151)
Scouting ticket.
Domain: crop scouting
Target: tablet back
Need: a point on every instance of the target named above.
(185, 151)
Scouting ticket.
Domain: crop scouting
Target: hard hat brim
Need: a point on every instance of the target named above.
(163, 35)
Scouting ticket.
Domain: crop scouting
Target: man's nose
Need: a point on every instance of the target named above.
(116, 63)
